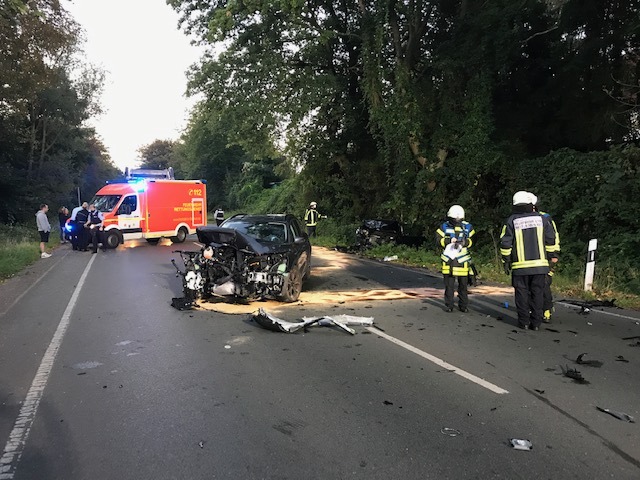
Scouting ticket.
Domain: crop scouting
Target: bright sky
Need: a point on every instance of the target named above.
(138, 44)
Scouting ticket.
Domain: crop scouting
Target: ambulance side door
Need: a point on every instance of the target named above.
(130, 216)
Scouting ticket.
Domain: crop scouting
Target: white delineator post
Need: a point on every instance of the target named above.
(591, 265)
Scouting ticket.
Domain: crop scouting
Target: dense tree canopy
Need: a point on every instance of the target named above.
(46, 95)
(402, 107)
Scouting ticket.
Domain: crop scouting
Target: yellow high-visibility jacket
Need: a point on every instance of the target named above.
(526, 241)
(463, 233)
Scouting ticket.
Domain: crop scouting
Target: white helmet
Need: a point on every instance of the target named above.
(534, 199)
(456, 211)
(313, 204)
(523, 198)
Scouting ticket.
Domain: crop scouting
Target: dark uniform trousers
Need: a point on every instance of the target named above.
(449, 287)
(96, 237)
(529, 293)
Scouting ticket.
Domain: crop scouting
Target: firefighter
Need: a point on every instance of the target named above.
(552, 255)
(525, 243)
(219, 216)
(94, 226)
(456, 237)
(311, 217)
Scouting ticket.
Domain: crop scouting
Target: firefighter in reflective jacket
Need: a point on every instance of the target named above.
(455, 236)
(552, 254)
(311, 217)
(525, 243)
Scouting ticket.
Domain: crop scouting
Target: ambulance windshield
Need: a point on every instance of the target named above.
(106, 203)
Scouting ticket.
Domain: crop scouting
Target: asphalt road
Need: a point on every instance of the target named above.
(138, 390)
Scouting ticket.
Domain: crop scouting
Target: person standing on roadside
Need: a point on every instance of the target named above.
(553, 255)
(63, 216)
(94, 225)
(455, 237)
(82, 217)
(525, 242)
(311, 217)
(219, 216)
(76, 227)
(44, 229)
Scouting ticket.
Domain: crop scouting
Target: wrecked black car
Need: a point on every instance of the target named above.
(378, 232)
(247, 257)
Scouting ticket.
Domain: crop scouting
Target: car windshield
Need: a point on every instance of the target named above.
(106, 203)
(272, 232)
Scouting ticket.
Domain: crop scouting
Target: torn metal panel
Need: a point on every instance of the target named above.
(275, 324)
(343, 322)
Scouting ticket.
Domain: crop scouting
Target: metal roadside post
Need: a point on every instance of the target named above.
(591, 265)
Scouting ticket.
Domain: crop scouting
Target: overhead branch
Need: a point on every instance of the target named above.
(539, 33)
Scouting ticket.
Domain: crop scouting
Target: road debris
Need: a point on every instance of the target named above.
(520, 444)
(552, 330)
(591, 363)
(387, 402)
(619, 415)
(201, 444)
(620, 358)
(592, 303)
(343, 322)
(573, 374)
(390, 258)
(541, 392)
(451, 432)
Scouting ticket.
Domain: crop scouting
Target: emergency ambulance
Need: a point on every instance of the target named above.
(151, 208)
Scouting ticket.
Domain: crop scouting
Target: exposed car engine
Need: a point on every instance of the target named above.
(233, 264)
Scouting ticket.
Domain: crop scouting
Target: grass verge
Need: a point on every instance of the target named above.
(19, 247)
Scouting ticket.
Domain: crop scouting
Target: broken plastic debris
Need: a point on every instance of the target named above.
(620, 358)
(452, 432)
(592, 363)
(390, 258)
(271, 322)
(574, 374)
(619, 415)
(520, 444)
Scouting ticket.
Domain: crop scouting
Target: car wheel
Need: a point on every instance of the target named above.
(153, 241)
(181, 236)
(112, 239)
(292, 286)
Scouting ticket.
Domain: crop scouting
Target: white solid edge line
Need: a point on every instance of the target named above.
(570, 305)
(18, 436)
(439, 362)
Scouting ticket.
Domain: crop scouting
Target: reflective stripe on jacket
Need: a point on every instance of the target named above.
(463, 233)
(311, 217)
(526, 241)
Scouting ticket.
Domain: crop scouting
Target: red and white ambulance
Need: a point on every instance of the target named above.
(151, 208)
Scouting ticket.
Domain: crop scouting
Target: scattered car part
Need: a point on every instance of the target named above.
(591, 363)
(573, 374)
(619, 415)
(271, 322)
(520, 444)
